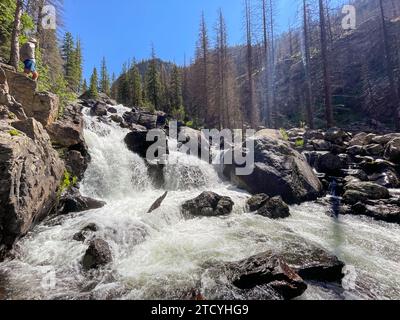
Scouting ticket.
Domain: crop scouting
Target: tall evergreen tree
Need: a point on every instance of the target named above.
(136, 87)
(94, 82)
(175, 89)
(153, 82)
(104, 78)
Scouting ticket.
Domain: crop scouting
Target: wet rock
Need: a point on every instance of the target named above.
(263, 270)
(381, 212)
(116, 118)
(97, 255)
(274, 208)
(82, 235)
(30, 174)
(361, 191)
(99, 109)
(136, 141)
(279, 170)
(329, 164)
(392, 151)
(112, 110)
(312, 262)
(257, 201)
(73, 201)
(208, 204)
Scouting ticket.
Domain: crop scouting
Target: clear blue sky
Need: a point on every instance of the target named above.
(123, 29)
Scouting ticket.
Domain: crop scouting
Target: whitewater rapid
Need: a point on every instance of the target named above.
(161, 255)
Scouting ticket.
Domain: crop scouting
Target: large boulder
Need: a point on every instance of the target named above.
(312, 262)
(356, 191)
(68, 130)
(329, 163)
(274, 208)
(97, 255)
(265, 271)
(148, 120)
(279, 170)
(30, 174)
(208, 204)
(257, 201)
(136, 142)
(43, 106)
(99, 109)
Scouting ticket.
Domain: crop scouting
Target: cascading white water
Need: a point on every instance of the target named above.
(160, 255)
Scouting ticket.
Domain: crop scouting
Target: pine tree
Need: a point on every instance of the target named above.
(114, 87)
(136, 87)
(78, 67)
(175, 89)
(153, 82)
(104, 78)
(123, 91)
(93, 89)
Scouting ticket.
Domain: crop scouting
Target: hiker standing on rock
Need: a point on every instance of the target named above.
(27, 54)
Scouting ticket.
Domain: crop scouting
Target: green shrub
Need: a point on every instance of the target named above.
(14, 132)
(299, 143)
(284, 134)
(67, 182)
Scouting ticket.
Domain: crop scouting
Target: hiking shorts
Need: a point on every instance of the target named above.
(30, 65)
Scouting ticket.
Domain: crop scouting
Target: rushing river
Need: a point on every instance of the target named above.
(160, 255)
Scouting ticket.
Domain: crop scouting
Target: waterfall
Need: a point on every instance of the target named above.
(161, 255)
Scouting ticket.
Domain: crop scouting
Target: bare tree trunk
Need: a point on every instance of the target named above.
(390, 67)
(14, 55)
(267, 111)
(254, 117)
(326, 68)
(308, 92)
(273, 97)
(204, 49)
